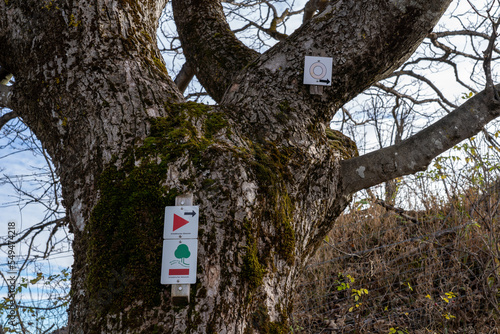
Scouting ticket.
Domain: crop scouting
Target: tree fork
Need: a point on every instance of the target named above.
(268, 181)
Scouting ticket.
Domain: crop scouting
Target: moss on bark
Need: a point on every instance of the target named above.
(125, 230)
(126, 226)
(270, 167)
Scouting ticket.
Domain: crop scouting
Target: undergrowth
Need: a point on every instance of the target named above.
(387, 270)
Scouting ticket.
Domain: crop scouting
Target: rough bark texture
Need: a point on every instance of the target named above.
(210, 45)
(91, 84)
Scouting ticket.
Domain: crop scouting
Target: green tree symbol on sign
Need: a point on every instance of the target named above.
(182, 252)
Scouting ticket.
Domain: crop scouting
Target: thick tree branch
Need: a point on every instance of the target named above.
(7, 117)
(367, 40)
(311, 7)
(209, 43)
(184, 77)
(5, 97)
(416, 153)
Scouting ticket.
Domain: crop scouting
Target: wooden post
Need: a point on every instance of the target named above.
(180, 292)
(315, 90)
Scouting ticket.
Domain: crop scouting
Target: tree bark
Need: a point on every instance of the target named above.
(5, 95)
(91, 84)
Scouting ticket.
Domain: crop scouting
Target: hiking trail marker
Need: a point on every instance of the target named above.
(179, 261)
(180, 248)
(181, 222)
(318, 71)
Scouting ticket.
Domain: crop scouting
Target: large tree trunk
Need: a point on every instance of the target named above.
(91, 84)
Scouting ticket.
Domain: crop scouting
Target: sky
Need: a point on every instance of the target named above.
(26, 169)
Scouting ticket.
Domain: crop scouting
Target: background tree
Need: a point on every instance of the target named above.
(91, 84)
(446, 70)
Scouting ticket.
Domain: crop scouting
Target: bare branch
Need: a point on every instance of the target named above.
(271, 31)
(428, 82)
(488, 53)
(7, 117)
(416, 153)
(470, 33)
(245, 27)
(208, 42)
(397, 210)
(184, 77)
(197, 96)
(405, 96)
(38, 227)
(349, 116)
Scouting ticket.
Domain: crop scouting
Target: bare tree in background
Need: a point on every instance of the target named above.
(446, 70)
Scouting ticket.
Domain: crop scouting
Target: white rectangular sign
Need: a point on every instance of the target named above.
(179, 260)
(181, 222)
(318, 71)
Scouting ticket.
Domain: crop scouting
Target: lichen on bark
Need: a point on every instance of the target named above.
(126, 226)
(125, 229)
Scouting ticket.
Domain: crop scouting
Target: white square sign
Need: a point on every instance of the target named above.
(179, 260)
(318, 71)
(181, 222)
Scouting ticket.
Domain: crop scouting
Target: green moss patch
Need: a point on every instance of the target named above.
(340, 142)
(252, 270)
(126, 230)
(126, 226)
(261, 322)
(270, 168)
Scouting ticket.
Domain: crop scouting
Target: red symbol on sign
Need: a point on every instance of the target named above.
(178, 272)
(179, 222)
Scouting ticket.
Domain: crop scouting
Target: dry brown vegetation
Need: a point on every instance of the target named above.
(387, 270)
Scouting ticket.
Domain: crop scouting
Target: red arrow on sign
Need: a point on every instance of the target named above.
(179, 222)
